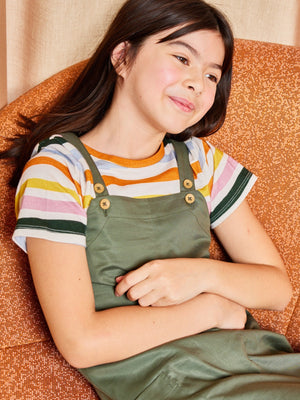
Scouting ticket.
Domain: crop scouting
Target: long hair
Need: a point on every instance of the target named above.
(85, 104)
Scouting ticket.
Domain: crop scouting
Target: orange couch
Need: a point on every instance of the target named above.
(261, 131)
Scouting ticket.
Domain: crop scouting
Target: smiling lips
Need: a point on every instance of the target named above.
(183, 104)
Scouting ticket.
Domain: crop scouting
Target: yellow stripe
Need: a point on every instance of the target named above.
(150, 196)
(86, 201)
(218, 155)
(37, 183)
(206, 190)
(42, 160)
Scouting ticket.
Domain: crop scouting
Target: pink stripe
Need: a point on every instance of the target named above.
(48, 205)
(225, 176)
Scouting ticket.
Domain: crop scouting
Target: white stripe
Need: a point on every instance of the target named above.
(145, 189)
(49, 215)
(20, 239)
(134, 174)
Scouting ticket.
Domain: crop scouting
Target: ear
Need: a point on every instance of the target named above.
(119, 58)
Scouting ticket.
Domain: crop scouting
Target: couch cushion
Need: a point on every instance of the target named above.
(37, 371)
(22, 322)
(262, 131)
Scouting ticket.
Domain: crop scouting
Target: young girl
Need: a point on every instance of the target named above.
(115, 206)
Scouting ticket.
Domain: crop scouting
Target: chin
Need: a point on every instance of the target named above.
(179, 128)
(177, 131)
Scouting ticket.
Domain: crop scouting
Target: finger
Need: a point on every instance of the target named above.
(130, 279)
(140, 290)
(149, 299)
(163, 302)
(119, 278)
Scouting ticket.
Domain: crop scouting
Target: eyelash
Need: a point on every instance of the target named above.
(185, 61)
(212, 78)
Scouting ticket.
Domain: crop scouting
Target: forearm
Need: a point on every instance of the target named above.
(257, 278)
(118, 333)
(174, 281)
(251, 285)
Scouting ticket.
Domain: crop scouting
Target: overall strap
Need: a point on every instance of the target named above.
(99, 184)
(186, 175)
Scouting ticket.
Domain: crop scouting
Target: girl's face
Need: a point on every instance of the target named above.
(171, 85)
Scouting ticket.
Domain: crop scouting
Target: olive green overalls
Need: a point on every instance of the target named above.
(124, 233)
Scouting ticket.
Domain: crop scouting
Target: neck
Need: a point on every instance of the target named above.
(121, 133)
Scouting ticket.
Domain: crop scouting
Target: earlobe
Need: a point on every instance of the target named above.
(118, 58)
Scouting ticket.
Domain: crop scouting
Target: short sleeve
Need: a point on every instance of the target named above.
(50, 201)
(223, 181)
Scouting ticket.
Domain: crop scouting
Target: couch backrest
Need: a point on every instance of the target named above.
(31, 367)
(262, 131)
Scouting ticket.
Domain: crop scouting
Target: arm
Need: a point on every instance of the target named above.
(259, 278)
(86, 337)
(256, 279)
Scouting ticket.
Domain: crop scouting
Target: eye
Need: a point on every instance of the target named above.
(213, 78)
(183, 60)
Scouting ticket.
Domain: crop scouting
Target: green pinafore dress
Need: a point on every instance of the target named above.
(124, 233)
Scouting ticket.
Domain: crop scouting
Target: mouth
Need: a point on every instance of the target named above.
(182, 104)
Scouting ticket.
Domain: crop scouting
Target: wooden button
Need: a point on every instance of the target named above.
(187, 184)
(104, 204)
(190, 198)
(99, 188)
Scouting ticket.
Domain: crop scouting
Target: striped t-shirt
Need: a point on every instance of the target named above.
(56, 187)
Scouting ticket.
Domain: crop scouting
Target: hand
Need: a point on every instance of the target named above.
(162, 282)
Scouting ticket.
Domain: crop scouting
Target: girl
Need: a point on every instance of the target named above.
(115, 206)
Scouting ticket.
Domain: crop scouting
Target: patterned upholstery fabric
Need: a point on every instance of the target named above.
(261, 131)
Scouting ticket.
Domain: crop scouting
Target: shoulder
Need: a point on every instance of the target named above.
(223, 181)
(57, 148)
(53, 194)
(54, 158)
(57, 168)
(202, 151)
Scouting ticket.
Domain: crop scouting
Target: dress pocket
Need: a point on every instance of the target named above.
(161, 388)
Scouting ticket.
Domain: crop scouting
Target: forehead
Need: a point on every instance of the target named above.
(205, 42)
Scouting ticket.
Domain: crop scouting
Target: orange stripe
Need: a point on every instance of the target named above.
(170, 175)
(210, 185)
(196, 168)
(205, 147)
(126, 162)
(41, 160)
(88, 176)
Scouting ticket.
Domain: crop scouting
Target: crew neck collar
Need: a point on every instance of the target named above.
(126, 162)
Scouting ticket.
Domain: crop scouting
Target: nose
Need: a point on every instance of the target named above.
(195, 83)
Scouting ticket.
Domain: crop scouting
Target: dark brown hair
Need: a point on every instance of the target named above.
(84, 105)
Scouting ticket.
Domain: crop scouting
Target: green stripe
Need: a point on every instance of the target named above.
(235, 192)
(47, 142)
(55, 225)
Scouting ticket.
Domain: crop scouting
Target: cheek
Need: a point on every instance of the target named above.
(165, 77)
(210, 98)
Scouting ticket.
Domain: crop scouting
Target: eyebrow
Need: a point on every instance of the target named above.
(193, 51)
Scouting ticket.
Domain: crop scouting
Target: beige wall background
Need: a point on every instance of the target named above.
(40, 37)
